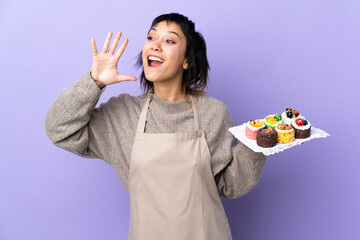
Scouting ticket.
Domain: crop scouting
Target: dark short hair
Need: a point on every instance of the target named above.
(196, 75)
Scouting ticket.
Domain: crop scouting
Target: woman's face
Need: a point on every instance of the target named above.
(163, 53)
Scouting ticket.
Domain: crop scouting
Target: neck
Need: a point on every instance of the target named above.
(169, 92)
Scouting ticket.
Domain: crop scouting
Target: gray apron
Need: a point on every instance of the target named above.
(173, 194)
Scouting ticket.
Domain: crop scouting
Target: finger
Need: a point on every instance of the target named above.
(107, 42)
(122, 48)
(93, 47)
(115, 42)
(121, 78)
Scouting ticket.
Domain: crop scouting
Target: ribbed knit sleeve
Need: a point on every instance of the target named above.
(73, 124)
(241, 168)
(241, 174)
(107, 132)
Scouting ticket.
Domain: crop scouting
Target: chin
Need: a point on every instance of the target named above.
(152, 77)
(154, 80)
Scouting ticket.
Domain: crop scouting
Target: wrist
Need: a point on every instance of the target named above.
(99, 84)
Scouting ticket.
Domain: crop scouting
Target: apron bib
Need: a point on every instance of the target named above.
(172, 190)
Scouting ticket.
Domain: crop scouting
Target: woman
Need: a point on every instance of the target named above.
(170, 147)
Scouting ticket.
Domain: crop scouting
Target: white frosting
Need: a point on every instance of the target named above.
(301, 127)
(254, 128)
(275, 124)
(287, 120)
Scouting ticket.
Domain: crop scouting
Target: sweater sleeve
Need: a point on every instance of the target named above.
(242, 167)
(73, 123)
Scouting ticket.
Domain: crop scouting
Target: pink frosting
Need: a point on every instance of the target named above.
(249, 133)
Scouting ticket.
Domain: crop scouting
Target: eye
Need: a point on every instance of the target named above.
(150, 38)
(169, 41)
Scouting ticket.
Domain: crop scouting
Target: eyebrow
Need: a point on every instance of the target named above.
(167, 32)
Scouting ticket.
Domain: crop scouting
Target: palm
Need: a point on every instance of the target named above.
(104, 66)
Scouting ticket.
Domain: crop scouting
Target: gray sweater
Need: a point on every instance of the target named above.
(107, 132)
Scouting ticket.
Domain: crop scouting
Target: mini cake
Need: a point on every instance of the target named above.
(273, 120)
(302, 128)
(252, 127)
(285, 133)
(266, 137)
(289, 116)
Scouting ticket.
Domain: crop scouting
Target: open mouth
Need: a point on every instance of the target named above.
(155, 61)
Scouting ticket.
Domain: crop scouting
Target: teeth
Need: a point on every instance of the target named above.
(152, 58)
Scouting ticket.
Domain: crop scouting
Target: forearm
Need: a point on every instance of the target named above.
(68, 117)
(241, 174)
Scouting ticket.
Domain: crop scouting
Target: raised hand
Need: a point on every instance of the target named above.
(104, 65)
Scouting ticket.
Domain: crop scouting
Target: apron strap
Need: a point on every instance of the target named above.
(196, 114)
(142, 118)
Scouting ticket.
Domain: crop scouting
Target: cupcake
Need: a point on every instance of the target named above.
(273, 120)
(285, 133)
(289, 116)
(252, 127)
(302, 128)
(266, 137)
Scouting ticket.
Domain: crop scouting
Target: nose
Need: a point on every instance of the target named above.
(156, 46)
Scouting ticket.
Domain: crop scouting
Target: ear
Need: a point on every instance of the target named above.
(185, 64)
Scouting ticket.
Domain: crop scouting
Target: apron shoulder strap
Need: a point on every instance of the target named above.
(196, 114)
(142, 118)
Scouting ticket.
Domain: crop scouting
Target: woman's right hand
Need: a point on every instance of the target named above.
(104, 65)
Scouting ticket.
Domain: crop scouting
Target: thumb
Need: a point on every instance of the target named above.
(121, 78)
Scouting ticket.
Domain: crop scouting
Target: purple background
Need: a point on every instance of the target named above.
(264, 55)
